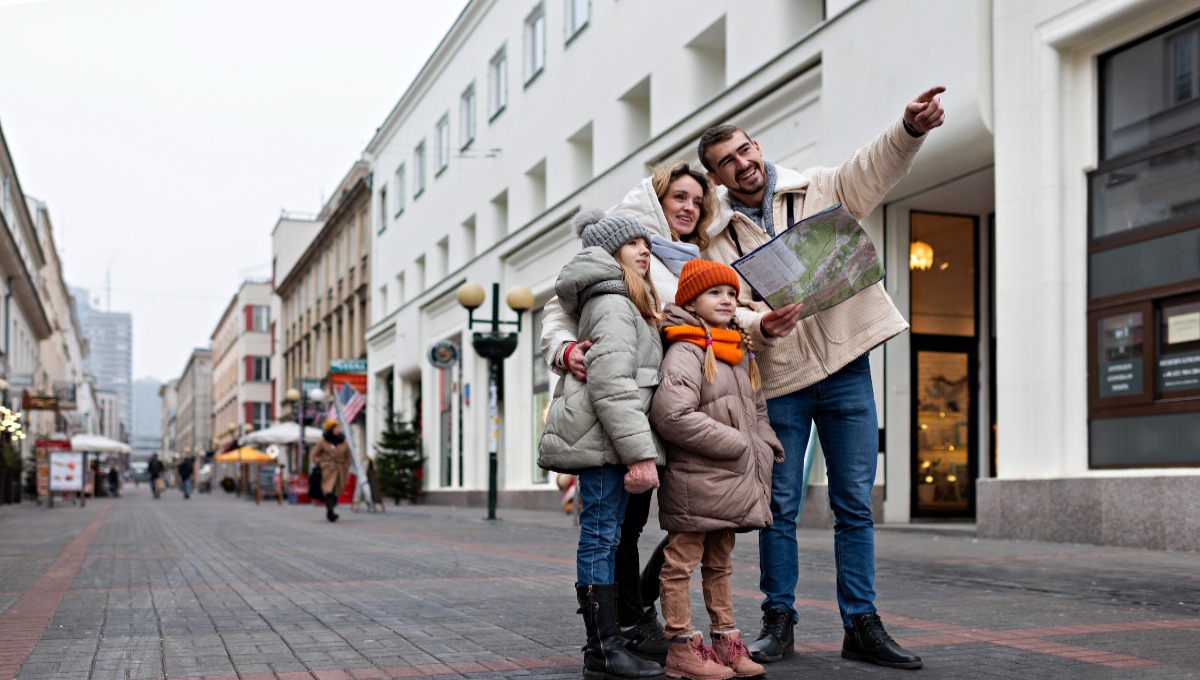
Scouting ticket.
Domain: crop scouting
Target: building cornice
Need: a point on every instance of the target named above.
(458, 34)
(332, 226)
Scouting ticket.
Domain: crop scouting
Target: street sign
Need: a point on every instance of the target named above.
(443, 354)
(348, 366)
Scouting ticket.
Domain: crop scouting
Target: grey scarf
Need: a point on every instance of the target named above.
(761, 215)
(674, 254)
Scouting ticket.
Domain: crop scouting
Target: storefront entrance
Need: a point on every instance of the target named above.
(944, 278)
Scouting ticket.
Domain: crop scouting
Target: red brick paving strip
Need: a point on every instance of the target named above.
(24, 622)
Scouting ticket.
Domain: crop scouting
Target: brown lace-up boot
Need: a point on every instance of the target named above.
(733, 653)
(688, 657)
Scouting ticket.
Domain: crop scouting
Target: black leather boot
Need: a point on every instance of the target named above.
(605, 657)
(868, 641)
(776, 639)
(330, 502)
(645, 637)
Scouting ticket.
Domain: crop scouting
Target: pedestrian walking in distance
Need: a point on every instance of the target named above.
(155, 470)
(186, 469)
(710, 410)
(598, 429)
(332, 453)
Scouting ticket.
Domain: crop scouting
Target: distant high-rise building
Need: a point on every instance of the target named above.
(146, 435)
(110, 338)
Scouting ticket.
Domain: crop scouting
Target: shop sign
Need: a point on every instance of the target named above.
(348, 366)
(1120, 378)
(1120, 355)
(38, 402)
(443, 354)
(1179, 372)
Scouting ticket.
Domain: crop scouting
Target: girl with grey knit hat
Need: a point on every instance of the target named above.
(598, 429)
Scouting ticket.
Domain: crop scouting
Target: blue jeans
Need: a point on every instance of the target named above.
(603, 495)
(187, 487)
(843, 407)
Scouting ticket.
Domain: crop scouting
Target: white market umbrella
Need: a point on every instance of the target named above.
(282, 433)
(98, 444)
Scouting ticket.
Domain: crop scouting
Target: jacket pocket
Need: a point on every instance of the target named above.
(646, 377)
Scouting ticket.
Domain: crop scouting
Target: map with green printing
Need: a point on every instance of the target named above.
(820, 261)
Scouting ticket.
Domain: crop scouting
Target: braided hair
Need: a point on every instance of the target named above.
(710, 359)
(748, 347)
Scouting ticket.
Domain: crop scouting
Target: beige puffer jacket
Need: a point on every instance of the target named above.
(826, 341)
(720, 447)
(604, 419)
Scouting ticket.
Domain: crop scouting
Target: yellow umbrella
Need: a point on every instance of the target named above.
(244, 455)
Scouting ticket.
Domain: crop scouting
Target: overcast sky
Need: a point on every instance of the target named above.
(166, 136)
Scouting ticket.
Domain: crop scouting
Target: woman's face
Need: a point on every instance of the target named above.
(635, 254)
(682, 203)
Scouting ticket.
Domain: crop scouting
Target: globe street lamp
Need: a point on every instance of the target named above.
(495, 347)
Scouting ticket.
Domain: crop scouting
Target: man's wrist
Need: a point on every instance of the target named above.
(912, 131)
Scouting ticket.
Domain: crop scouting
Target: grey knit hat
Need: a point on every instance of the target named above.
(610, 233)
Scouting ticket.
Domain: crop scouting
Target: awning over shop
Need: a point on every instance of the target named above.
(97, 444)
(244, 455)
(283, 433)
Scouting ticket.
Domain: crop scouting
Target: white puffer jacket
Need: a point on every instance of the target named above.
(641, 203)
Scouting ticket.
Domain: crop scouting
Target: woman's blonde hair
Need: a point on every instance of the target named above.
(642, 292)
(664, 175)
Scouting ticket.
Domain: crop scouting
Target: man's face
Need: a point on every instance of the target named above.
(737, 165)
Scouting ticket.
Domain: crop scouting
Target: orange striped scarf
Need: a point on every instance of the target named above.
(726, 343)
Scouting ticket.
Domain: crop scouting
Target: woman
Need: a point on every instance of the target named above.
(332, 453)
(676, 205)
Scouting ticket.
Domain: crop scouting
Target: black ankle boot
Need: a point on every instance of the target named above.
(605, 657)
(645, 637)
(330, 502)
(777, 639)
(868, 641)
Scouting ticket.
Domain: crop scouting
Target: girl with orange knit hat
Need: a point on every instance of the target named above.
(710, 410)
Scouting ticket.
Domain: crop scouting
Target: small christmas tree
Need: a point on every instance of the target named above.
(399, 461)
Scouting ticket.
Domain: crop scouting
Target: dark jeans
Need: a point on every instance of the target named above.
(636, 589)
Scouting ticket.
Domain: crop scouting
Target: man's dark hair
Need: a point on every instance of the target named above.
(715, 135)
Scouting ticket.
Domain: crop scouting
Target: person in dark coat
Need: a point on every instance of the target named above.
(186, 470)
(114, 482)
(155, 470)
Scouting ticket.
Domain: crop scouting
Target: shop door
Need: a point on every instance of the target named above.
(945, 326)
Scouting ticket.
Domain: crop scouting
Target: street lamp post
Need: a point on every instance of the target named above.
(495, 347)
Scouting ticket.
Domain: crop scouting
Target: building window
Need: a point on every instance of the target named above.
(1143, 244)
(497, 83)
(400, 181)
(260, 415)
(443, 144)
(1185, 65)
(419, 169)
(578, 14)
(260, 369)
(535, 42)
(383, 216)
(466, 117)
(261, 319)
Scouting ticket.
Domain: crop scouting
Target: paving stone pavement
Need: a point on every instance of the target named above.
(217, 587)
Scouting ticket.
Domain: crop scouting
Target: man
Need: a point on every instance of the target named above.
(817, 369)
(186, 468)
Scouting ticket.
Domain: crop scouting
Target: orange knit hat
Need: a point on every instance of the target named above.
(700, 275)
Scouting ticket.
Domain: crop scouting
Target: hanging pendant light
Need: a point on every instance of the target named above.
(920, 256)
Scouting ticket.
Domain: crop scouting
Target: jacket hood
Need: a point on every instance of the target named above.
(590, 267)
(674, 315)
(641, 204)
(786, 180)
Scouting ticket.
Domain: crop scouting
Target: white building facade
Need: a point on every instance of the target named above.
(528, 111)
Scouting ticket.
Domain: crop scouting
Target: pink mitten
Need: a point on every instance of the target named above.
(641, 477)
